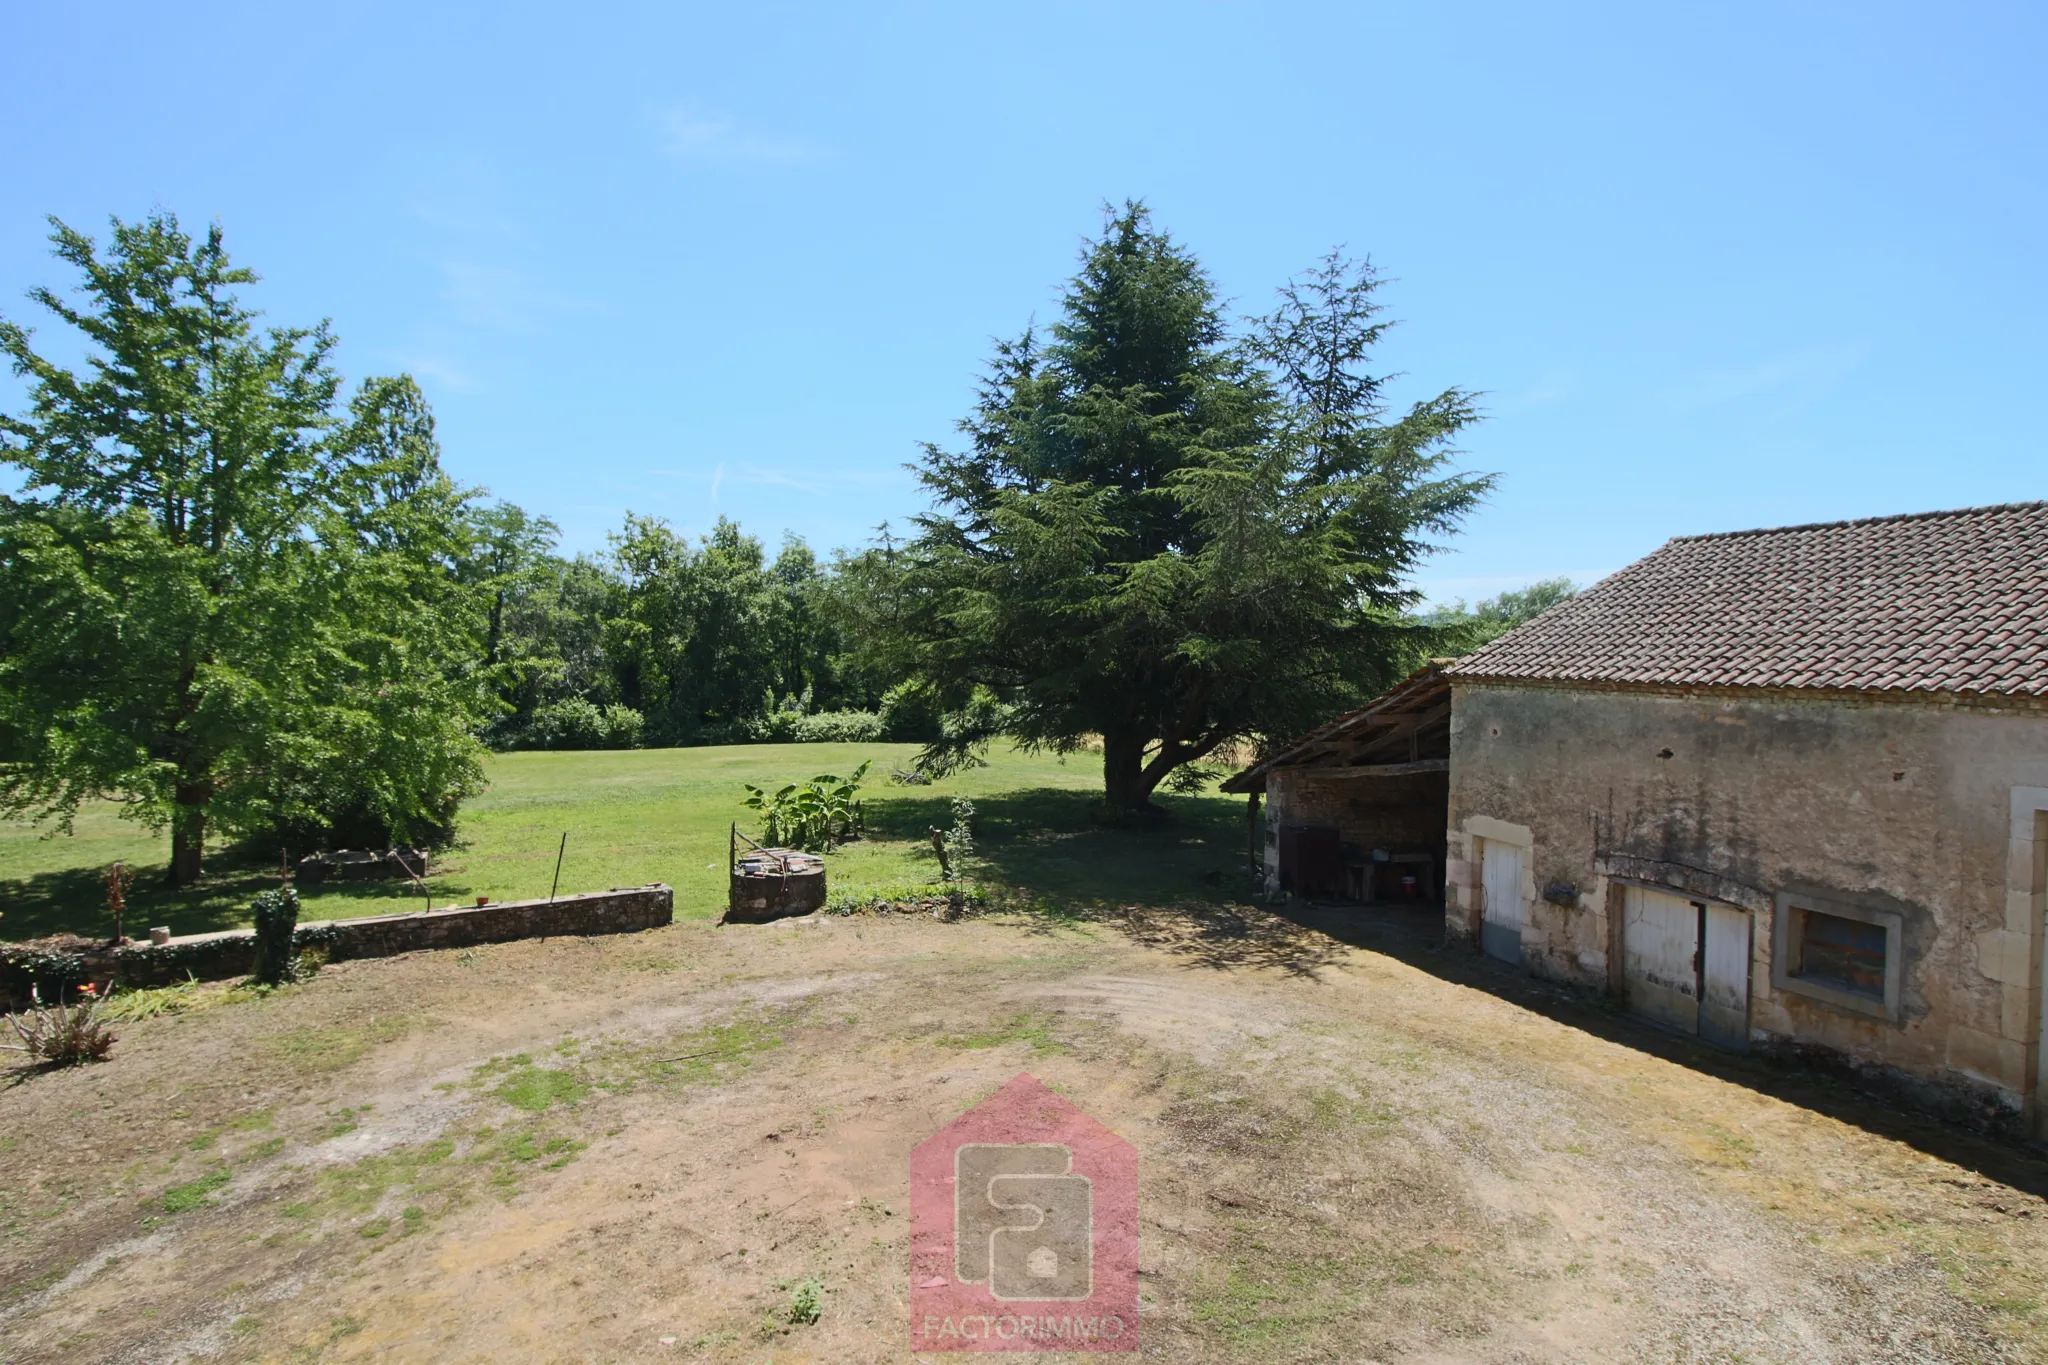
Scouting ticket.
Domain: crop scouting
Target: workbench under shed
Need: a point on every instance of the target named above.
(1356, 809)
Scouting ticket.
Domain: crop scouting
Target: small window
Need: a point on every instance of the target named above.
(1842, 953)
(1845, 952)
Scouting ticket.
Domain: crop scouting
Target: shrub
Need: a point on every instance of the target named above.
(806, 1302)
(277, 919)
(912, 713)
(60, 1034)
(822, 727)
(578, 723)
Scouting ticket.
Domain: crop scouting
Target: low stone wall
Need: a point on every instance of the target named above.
(211, 957)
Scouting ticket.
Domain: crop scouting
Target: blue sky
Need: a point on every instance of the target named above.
(1713, 266)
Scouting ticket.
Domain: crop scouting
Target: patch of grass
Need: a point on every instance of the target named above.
(1334, 1111)
(339, 1046)
(192, 1194)
(532, 1145)
(358, 1187)
(703, 1056)
(660, 815)
(536, 1088)
(342, 1122)
(1033, 1029)
(184, 997)
(248, 1123)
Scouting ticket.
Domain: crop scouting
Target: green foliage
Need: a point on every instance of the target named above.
(1463, 629)
(787, 725)
(223, 596)
(575, 723)
(41, 967)
(699, 635)
(1164, 535)
(668, 643)
(811, 815)
(276, 916)
(152, 1002)
(960, 835)
(806, 1302)
(913, 712)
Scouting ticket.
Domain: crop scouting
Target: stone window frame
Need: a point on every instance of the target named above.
(1785, 951)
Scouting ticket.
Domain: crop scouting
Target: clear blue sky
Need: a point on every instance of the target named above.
(1714, 266)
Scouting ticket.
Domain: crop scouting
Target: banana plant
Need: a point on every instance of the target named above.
(813, 815)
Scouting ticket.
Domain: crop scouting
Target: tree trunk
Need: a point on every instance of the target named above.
(1124, 779)
(188, 833)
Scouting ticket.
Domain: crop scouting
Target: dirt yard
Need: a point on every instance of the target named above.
(645, 1148)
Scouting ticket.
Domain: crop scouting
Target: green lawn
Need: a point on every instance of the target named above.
(649, 815)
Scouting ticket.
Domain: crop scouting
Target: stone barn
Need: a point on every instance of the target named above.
(1783, 789)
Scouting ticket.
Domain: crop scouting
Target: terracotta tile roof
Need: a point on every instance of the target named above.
(1944, 602)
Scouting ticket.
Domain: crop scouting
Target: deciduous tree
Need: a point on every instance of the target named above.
(224, 599)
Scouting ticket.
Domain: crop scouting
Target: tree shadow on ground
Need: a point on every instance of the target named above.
(1055, 847)
(1174, 881)
(1415, 935)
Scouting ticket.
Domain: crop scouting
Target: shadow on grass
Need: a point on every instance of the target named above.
(1174, 881)
(1415, 936)
(73, 901)
(1055, 845)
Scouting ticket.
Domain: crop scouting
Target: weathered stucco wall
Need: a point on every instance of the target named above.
(1922, 811)
(1401, 811)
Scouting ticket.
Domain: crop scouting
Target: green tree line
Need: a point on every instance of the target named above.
(243, 600)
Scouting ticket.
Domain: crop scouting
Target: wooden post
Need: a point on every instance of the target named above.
(1255, 846)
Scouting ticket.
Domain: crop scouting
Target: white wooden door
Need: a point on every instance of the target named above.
(1724, 977)
(1660, 940)
(1500, 899)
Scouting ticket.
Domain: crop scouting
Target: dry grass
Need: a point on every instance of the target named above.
(701, 1134)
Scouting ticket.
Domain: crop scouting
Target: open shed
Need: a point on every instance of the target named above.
(1357, 809)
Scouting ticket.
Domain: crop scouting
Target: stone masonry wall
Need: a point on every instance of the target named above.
(211, 957)
(1926, 811)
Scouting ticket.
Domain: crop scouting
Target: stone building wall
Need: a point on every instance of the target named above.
(212, 957)
(1933, 816)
